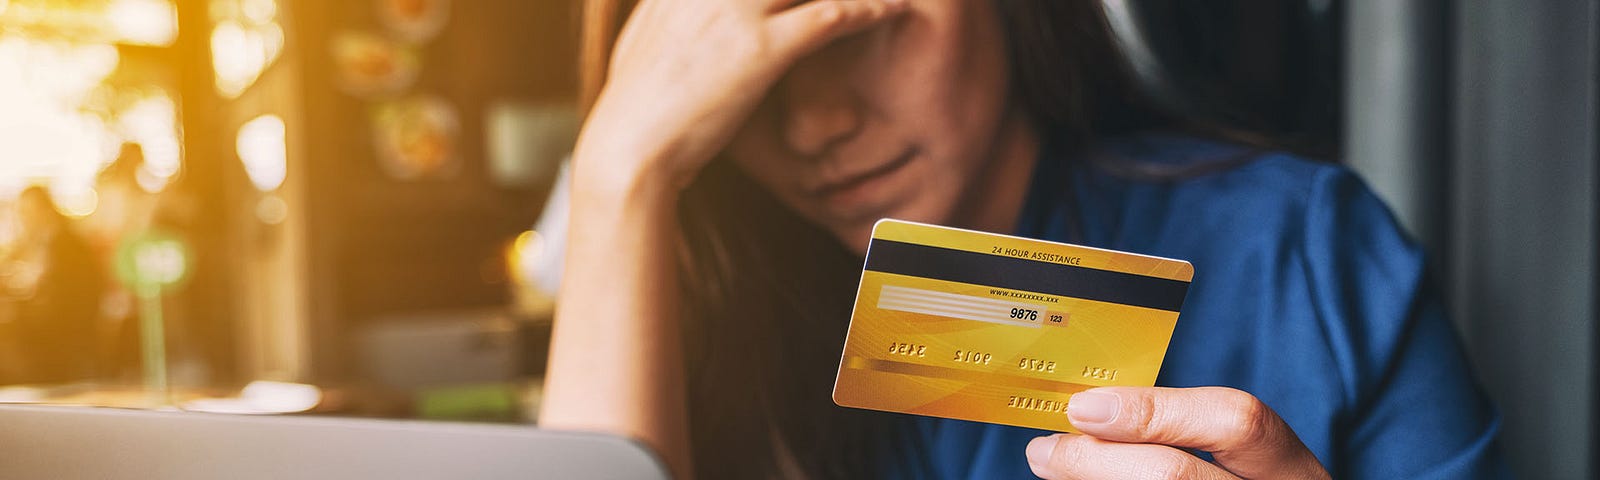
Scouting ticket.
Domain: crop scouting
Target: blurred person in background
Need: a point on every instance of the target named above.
(12, 291)
(126, 208)
(57, 283)
(736, 154)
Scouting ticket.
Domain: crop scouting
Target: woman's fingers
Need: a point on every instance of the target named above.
(1072, 457)
(1130, 432)
(1243, 434)
(807, 27)
(717, 59)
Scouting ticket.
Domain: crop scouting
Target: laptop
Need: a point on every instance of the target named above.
(72, 443)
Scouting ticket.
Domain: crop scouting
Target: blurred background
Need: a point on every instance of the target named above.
(205, 195)
(338, 208)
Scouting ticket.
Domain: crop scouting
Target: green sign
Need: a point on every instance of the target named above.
(152, 261)
(148, 264)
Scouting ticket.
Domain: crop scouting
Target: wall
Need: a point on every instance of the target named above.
(1499, 179)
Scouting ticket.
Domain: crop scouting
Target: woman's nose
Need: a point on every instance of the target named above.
(819, 111)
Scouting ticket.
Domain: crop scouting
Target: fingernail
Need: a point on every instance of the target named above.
(1039, 449)
(1092, 407)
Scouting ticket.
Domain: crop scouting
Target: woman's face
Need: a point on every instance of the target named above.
(910, 120)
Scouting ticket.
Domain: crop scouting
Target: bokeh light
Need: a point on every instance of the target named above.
(151, 121)
(526, 252)
(261, 147)
(75, 201)
(246, 40)
(272, 210)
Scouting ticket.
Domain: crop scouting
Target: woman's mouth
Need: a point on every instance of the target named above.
(852, 192)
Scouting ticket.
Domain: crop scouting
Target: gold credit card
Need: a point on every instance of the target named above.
(994, 328)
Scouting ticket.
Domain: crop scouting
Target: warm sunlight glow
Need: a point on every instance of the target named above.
(48, 138)
(149, 22)
(262, 398)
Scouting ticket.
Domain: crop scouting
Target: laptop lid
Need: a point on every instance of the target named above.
(70, 443)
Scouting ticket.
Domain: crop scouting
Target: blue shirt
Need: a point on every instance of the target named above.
(1306, 294)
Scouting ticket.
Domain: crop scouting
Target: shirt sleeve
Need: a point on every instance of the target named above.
(1412, 408)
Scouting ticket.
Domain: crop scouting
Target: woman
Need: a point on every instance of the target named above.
(737, 152)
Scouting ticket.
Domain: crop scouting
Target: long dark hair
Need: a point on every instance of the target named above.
(769, 294)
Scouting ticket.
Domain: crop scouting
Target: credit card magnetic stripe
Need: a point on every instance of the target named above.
(930, 302)
(952, 265)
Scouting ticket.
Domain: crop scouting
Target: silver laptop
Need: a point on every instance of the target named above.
(71, 443)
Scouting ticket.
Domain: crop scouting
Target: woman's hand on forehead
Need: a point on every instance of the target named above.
(685, 74)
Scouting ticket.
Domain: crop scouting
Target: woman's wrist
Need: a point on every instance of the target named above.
(622, 177)
(620, 159)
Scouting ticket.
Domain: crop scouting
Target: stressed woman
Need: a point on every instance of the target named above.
(736, 154)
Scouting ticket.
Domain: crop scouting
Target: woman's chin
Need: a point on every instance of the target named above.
(857, 242)
(857, 233)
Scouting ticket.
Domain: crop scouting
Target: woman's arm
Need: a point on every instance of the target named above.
(616, 363)
(684, 76)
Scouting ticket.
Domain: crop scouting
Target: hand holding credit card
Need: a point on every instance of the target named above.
(994, 328)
